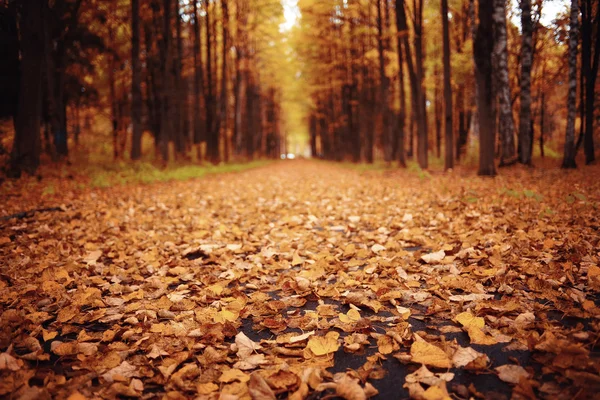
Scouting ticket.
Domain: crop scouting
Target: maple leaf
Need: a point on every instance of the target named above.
(428, 354)
(322, 345)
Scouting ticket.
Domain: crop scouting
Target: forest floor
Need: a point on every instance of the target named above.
(305, 279)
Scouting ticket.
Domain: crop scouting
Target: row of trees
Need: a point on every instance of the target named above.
(399, 77)
(194, 74)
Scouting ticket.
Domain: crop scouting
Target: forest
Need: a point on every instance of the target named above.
(304, 199)
(492, 82)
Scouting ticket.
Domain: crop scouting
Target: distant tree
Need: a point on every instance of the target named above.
(483, 49)
(136, 82)
(25, 155)
(590, 57)
(525, 126)
(569, 155)
(505, 119)
(449, 137)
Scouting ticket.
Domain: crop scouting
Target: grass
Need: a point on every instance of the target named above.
(135, 173)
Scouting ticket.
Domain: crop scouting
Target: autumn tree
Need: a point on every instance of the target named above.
(25, 155)
(505, 119)
(569, 155)
(449, 137)
(483, 49)
(525, 132)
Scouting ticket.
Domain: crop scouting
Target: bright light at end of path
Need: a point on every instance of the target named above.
(291, 13)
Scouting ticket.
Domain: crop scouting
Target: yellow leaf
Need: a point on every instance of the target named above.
(216, 289)
(478, 336)
(48, 335)
(207, 388)
(428, 354)
(321, 345)
(468, 320)
(297, 260)
(350, 317)
(233, 375)
(438, 392)
(385, 344)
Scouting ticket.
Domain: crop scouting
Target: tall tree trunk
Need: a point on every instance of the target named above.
(483, 48)
(383, 86)
(25, 155)
(506, 123)
(589, 63)
(416, 87)
(448, 125)
(423, 134)
(569, 156)
(212, 140)
(167, 98)
(136, 83)
(222, 120)
(181, 111)
(437, 110)
(525, 133)
(402, 95)
(199, 127)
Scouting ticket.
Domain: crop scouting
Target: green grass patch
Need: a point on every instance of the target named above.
(143, 172)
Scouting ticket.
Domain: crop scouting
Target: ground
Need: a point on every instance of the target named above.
(304, 279)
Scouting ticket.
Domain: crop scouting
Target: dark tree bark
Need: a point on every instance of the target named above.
(181, 110)
(136, 83)
(569, 155)
(423, 133)
(212, 140)
(383, 85)
(223, 100)
(25, 155)
(449, 137)
(482, 49)
(199, 127)
(402, 115)
(167, 98)
(589, 71)
(506, 123)
(525, 132)
(416, 87)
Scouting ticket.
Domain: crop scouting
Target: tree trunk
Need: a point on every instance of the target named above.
(423, 134)
(212, 140)
(589, 62)
(199, 127)
(525, 133)
(167, 98)
(569, 156)
(222, 120)
(448, 125)
(483, 48)
(136, 83)
(416, 87)
(401, 93)
(181, 112)
(505, 120)
(383, 86)
(25, 155)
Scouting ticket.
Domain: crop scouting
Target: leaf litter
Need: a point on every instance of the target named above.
(303, 280)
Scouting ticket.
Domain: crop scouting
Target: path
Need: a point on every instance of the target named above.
(144, 290)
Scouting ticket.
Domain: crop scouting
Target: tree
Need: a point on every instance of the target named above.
(25, 155)
(569, 155)
(589, 73)
(482, 49)
(505, 119)
(199, 127)
(449, 139)
(136, 83)
(525, 131)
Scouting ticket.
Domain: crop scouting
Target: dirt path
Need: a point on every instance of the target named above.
(305, 278)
